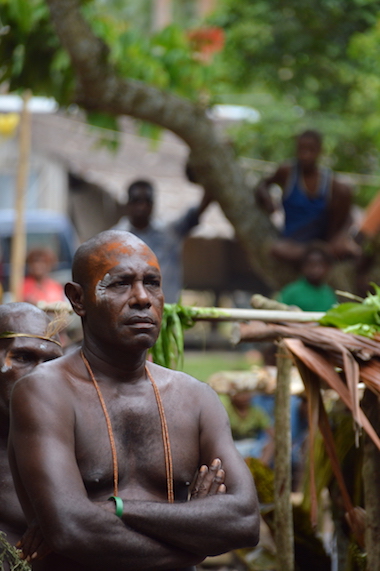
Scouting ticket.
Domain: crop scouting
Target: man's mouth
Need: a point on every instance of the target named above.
(141, 321)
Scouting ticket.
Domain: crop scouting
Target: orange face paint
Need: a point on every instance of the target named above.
(108, 256)
(149, 257)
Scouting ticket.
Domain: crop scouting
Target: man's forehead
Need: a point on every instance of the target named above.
(31, 322)
(32, 344)
(309, 142)
(131, 252)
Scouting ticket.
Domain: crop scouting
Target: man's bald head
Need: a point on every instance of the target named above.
(96, 256)
(26, 340)
(21, 317)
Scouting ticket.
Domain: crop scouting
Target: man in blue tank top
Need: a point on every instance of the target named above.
(316, 205)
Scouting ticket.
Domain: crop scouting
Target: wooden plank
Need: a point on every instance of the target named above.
(18, 246)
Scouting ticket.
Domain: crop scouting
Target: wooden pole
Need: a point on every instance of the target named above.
(371, 474)
(238, 314)
(283, 514)
(268, 315)
(18, 248)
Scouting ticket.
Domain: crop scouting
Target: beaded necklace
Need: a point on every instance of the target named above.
(164, 431)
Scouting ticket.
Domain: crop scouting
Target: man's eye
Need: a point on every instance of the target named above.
(24, 358)
(121, 283)
(154, 282)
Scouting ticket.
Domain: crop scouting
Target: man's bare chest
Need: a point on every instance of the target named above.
(311, 184)
(137, 432)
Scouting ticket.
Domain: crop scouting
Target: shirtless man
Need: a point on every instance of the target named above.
(24, 343)
(316, 205)
(72, 447)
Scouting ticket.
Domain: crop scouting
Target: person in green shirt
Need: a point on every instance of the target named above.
(311, 291)
(251, 427)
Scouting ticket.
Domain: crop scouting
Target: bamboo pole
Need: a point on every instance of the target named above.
(283, 514)
(229, 314)
(238, 314)
(18, 248)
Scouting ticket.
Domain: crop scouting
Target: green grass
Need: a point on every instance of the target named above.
(202, 364)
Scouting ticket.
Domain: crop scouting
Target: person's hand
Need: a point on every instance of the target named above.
(209, 481)
(32, 544)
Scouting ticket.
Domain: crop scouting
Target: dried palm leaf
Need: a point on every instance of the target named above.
(321, 367)
(317, 415)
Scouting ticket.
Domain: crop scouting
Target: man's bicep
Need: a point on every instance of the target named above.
(216, 442)
(279, 177)
(42, 452)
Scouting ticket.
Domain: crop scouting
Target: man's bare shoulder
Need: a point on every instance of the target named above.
(181, 381)
(281, 174)
(340, 188)
(49, 375)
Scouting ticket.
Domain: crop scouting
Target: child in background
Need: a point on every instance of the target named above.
(251, 427)
(311, 291)
(38, 286)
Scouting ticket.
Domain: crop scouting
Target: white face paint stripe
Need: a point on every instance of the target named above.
(7, 366)
(100, 288)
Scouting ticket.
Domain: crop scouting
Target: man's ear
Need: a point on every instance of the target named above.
(74, 292)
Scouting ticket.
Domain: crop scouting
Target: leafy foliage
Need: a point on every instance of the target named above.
(169, 348)
(298, 47)
(357, 318)
(33, 57)
(30, 51)
(11, 556)
(301, 66)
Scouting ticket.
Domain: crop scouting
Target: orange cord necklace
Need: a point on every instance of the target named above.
(164, 431)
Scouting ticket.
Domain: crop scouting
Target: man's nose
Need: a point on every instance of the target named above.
(140, 295)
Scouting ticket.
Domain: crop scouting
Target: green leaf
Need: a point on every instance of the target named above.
(347, 314)
(111, 136)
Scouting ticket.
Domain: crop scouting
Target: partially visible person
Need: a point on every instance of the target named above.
(265, 400)
(317, 206)
(104, 445)
(1, 277)
(311, 292)
(367, 237)
(369, 225)
(25, 341)
(166, 240)
(38, 285)
(251, 426)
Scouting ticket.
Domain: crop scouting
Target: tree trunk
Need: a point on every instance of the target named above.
(283, 514)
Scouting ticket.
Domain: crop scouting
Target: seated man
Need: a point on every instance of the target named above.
(316, 205)
(104, 445)
(25, 342)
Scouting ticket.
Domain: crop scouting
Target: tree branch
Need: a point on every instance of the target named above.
(101, 88)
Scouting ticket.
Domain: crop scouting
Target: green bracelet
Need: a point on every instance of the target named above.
(118, 504)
